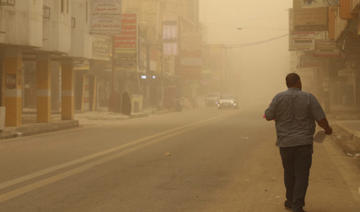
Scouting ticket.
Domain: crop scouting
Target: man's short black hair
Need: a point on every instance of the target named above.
(292, 79)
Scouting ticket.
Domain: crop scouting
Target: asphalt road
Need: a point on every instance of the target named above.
(203, 160)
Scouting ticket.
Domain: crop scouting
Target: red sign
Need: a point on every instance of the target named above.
(125, 43)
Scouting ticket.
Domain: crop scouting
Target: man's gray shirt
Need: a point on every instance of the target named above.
(295, 113)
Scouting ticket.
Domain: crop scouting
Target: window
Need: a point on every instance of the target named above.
(46, 12)
(73, 22)
(62, 5)
(7, 2)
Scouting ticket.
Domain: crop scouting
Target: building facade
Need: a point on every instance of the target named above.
(324, 39)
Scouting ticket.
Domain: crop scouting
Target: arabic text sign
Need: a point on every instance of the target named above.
(305, 41)
(106, 16)
(101, 47)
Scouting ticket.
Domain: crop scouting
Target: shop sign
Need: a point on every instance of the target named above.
(105, 17)
(326, 48)
(101, 47)
(311, 19)
(305, 41)
(125, 44)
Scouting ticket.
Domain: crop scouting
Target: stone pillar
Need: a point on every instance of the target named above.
(67, 91)
(55, 86)
(93, 94)
(12, 66)
(43, 85)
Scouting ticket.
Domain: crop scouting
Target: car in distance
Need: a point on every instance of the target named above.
(227, 102)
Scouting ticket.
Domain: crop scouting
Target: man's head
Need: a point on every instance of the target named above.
(293, 81)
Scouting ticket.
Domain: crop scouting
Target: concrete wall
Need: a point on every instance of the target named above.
(21, 24)
(80, 37)
(57, 28)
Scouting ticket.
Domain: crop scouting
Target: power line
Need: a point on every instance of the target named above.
(235, 46)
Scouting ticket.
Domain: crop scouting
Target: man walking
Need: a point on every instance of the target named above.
(295, 113)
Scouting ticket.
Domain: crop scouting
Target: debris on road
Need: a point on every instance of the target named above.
(168, 154)
(349, 155)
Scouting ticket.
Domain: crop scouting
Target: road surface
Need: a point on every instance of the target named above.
(198, 161)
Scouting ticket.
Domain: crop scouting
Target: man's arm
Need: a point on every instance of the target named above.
(271, 111)
(319, 115)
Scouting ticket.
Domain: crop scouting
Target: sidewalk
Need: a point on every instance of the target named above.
(347, 136)
(346, 124)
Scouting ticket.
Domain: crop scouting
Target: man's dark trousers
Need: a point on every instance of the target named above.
(297, 163)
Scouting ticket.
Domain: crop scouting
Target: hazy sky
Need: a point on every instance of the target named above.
(259, 18)
(263, 67)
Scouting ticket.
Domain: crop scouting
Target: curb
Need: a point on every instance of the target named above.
(38, 129)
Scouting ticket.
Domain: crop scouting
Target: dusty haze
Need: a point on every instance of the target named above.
(262, 67)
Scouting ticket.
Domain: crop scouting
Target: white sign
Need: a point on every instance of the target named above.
(305, 41)
(101, 47)
(106, 17)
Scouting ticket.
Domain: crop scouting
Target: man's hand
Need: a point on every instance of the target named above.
(325, 125)
(329, 131)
